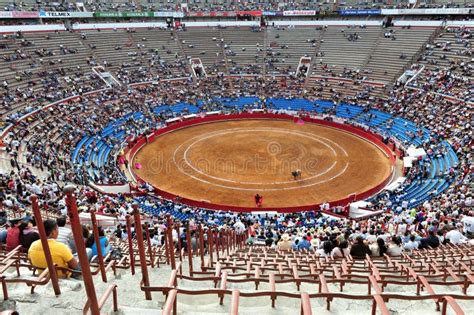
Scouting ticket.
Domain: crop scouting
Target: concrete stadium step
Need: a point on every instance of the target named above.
(126, 310)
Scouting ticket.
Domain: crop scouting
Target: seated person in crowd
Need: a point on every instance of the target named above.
(341, 250)
(455, 237)
(28, 234)
(105, 247)
(359, 249)
(431, 241)
(60, 253)
(65, 233)
(285, 242)
(304, 244)
(411, 245)
(13, 234)
(395, 248)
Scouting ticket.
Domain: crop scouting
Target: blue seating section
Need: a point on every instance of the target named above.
(322, 106)
(176, 108)
(157, 209)
(372, 118)
(98, 149)
(296, 104)
(237, 103)
(348, 111)
(160, 208)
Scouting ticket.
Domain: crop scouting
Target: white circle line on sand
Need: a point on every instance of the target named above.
(265, 189)
(261, 189)
(187, 161)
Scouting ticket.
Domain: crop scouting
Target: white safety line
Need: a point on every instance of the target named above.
(187, 160)
(233, 130)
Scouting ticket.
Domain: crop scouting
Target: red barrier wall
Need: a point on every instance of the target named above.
(369, 136)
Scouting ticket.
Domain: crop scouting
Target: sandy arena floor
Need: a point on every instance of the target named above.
(228, 162)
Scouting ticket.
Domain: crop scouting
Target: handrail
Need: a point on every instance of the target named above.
(223, 286)
(323, 286)
(172, 280)
(224, 281)
(379, 302)
(42, 279)
(373, 283)
(170, 302)
(415, 75)
(111, 289)
(271, 280)
(6, 266)
(305, 304)
(12, 253)
(235, 302)
(447, 300)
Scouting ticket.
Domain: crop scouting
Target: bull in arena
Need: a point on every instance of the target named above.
(296, 174)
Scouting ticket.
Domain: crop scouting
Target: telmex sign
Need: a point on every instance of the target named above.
(44, 14)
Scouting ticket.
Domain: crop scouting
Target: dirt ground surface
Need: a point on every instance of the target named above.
(228, 162)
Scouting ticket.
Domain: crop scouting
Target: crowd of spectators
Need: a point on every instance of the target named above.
(113, 6)
(448, 65)
(40, 150)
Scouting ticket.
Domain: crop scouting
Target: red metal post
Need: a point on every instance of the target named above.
(81, 248)
(224, 241)
(210, 242)
(217, 238)
(232, 239)
(169, 230)
(130, 245)
(190, 249)
(45, 244)
(95, 230)
(141, 249)
(179, 242)
(167, 247)
(228, 242)
(201, 245)
(148, 240)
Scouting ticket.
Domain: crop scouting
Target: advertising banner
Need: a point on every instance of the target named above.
(252, 13)
(123, 14)
(211, 13)
(64, 15)
(299, 13)
(360, 12)
(6, 15)
(174, 14)
(440, 11)
(25, 15)
(272, 13)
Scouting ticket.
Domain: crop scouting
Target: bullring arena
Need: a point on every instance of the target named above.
(236, 157)
(226, 162)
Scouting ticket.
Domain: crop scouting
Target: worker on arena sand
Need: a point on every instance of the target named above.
(258, 200)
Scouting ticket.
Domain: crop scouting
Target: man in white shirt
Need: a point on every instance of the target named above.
(455, 237)
(65, 233)
(239, 227)
(402, 228)
(411, 244)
